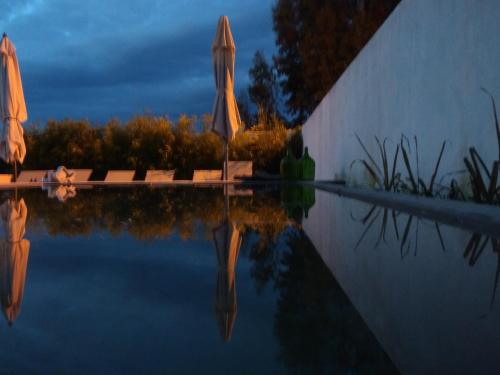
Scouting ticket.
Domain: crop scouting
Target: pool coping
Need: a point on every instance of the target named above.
(38, 184)
(478, 218)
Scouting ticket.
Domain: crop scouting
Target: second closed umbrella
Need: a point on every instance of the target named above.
(226, 117)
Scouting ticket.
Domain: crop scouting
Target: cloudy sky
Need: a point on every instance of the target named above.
(99, 59)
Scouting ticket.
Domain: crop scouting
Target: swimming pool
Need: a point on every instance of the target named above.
(269, 280)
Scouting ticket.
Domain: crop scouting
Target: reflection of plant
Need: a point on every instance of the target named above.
(405, 240)
(385, 177)
(474, 250)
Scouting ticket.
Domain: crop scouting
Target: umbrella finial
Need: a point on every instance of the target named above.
(4, 34)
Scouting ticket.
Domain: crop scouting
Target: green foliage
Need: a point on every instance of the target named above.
(414, 183)
(389, 178)
(385, 177)
(264, 144)
(317, 40)
(485, 183)
(149, 142)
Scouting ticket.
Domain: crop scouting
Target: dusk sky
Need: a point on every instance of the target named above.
(100, 59)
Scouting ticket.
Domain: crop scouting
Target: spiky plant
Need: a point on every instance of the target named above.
(385, 177)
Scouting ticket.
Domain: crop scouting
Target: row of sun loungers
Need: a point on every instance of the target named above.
(236, 170)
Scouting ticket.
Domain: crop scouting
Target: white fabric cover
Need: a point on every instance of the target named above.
(226, 117)
(61, 175)
(12, 105)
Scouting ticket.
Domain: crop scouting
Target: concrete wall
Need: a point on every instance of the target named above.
(421, 75)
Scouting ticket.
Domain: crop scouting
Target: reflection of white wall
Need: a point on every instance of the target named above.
(430, 311)
(420, 75)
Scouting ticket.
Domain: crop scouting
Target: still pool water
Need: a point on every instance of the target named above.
(188, 280)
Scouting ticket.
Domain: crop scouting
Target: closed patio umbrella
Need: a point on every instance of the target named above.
(227, 240)
(226, 117)
(14, 251)
(12, 106)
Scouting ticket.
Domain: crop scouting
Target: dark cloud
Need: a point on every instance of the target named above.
(117, 71)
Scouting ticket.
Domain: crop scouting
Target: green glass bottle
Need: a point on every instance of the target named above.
(307, 167)
(288, 167)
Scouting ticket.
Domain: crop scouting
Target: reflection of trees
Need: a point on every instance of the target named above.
(318, 328)
(151, 213)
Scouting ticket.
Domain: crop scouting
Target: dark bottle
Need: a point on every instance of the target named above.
(307, 167)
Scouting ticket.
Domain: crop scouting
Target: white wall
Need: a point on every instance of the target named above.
(420, 75)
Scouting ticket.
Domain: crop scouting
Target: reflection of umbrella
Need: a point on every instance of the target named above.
(227, 241)
(226, 117)
(14, 251)
(12, 106)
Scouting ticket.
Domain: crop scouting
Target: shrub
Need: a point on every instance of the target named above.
(151, 142)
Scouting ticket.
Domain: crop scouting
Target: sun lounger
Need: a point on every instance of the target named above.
(5, 178)
(119, 176)
(207, 175)
(31, 176)
(239, 169)
(82, 175)
(159, 176)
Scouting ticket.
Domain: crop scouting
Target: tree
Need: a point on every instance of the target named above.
(262, 85)
(317, 40)
(243, 102)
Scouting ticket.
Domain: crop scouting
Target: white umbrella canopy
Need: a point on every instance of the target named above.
(226, 117)
(12, 105)
(14, 252)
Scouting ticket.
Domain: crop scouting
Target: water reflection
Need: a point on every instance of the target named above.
(474, 250)
(149, 214)
(319, 330)
(227, 241)
(14, 252)
(297, 200)
(61, 192)
(405, 228)
(408, 238)
(291, 310)
(432, 311)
